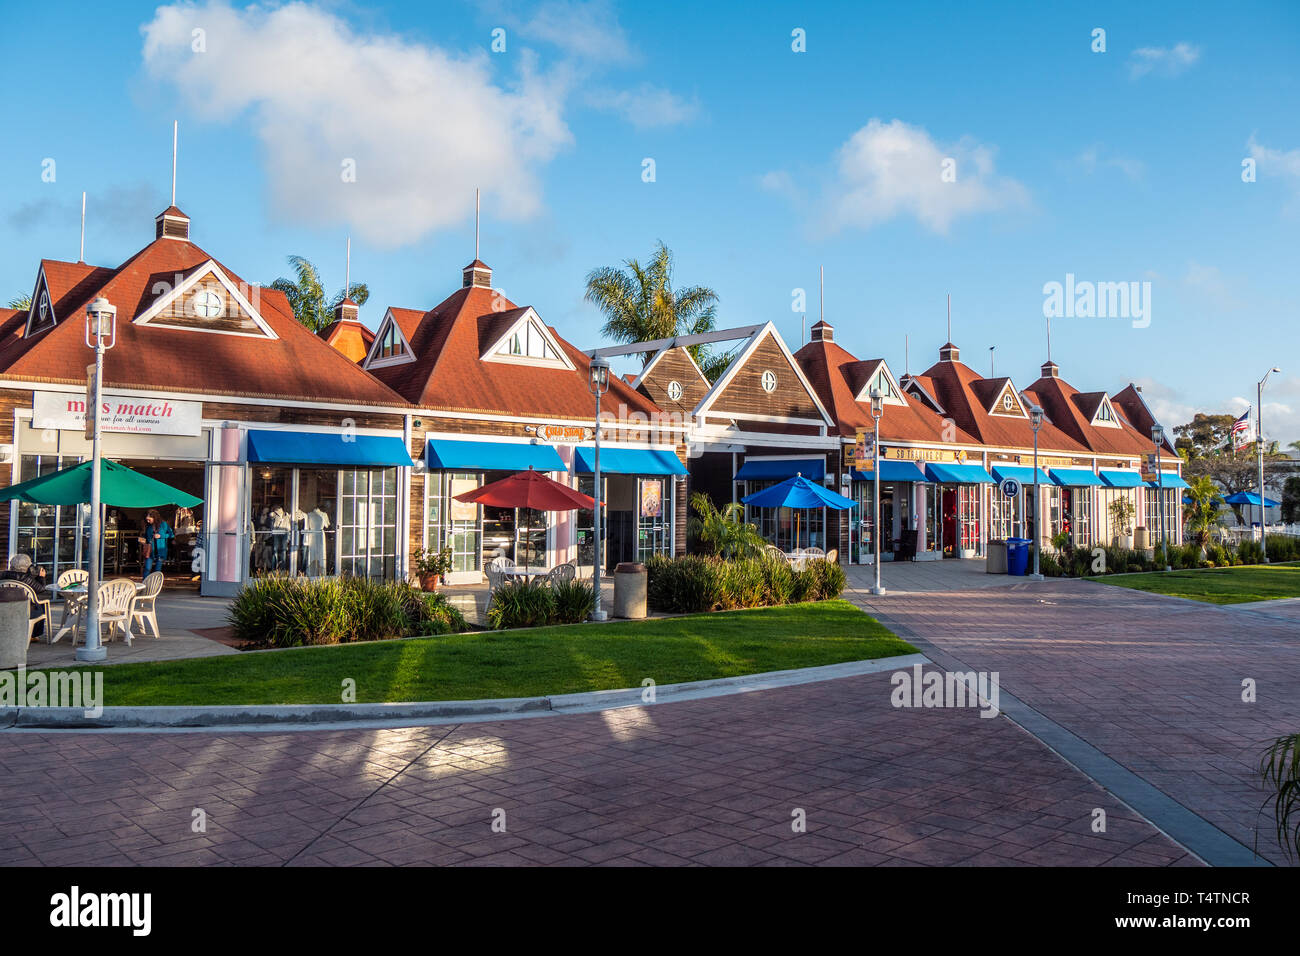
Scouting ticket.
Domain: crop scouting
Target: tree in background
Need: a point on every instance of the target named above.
(21, 302)
(1205, 444)
(306, 295)
(640, 304)
(1201, 515)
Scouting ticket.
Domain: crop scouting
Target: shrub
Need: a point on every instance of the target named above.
(574, 601)
(778, 581)
(522, 604)
(685, 585)
(298, 612)
(1217, 555)
(1049, 566)
(742, 583)
(695, 583)
(1282, 547)
(1250, 552)
(828, 580)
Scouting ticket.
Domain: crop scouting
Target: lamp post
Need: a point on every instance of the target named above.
(1036, 419)
(877, 409)
(1158, 437)
(101, 325)
(598, 383)
(1259, 444)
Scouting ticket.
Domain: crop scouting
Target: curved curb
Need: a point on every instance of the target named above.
(286, 717)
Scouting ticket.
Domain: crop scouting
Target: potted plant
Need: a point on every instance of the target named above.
(432, 566)
(1122, 512)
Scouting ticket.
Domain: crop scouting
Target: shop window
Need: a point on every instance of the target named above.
(55, 537)
(654, 500)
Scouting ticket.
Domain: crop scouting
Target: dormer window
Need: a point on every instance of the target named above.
(390, 344)
(527, 342)
(43, 307)
(1105, 416)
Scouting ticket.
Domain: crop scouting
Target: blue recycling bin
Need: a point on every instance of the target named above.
(1017, 556)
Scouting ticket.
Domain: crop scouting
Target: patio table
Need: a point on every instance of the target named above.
(74, 597)
(524, 572)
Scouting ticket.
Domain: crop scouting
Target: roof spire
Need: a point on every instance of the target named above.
(476, 219)
(175, 135)
(907, 358)
(81, 254)
(949, 316)
(347, 272)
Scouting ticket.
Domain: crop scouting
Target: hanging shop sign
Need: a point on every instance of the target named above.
(564, 434)
(141, 415)
(652, 499)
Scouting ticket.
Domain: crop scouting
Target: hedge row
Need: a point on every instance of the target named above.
(697, 583)
(1081, 562)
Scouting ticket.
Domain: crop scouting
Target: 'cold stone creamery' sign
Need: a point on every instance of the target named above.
(141, 415)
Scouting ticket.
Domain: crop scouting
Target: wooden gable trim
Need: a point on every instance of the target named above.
(491, 353)
(372, 359)
(865, 394)
(998, 408)
(726, 378)
(154, 314)
(34, 310)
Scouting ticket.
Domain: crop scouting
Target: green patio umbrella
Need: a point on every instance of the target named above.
(119, 486)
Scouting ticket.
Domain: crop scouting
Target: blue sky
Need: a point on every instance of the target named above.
(1115, 166)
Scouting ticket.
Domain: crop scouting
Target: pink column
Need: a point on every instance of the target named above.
(227, 525)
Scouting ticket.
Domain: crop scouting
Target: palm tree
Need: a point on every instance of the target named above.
(1280, 769)
(1202, 514)
(21, 302)
(306, 295)
(723, 530)
(640, 304)
(1294, 446)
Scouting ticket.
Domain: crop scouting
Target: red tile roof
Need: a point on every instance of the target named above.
(966, 397)
(1133, 407)
(1072, 411)
(449, 374)
(837, 376)
(349, 337)
(296, 365)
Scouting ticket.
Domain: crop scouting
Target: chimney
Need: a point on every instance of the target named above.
(1051, 370)
(823, 331)
(171, 223)
(477, 273)
(949, 353)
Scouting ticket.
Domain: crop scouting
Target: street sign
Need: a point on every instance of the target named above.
(1010, 487)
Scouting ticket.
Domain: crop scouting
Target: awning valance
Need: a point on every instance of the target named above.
(451, 454)
(1075, 478)
(755, 469)
(327, 448)
(1121, 479)
(892, 469)
(1019, 472)
(1169, 479)
(628, 461)
(949, 473)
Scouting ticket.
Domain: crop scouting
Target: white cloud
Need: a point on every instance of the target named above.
(887, 170)
(585, 30)
(1095, 157)
(1275, 162)
(1163, 61)
(424, 126)
(1281, 418)
(647, 106)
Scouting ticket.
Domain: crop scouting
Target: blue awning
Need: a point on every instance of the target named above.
(1019, 472)
(327, 448)
(1075, 478)
(892, 469)
(629, 461)
(1121, 479)
(448, 454)
(1170, 480)
(947, 473)
(782, 468)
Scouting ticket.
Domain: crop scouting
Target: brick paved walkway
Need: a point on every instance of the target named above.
(709, 781)
(1153, 682)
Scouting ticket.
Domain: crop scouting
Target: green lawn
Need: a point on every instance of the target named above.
(1251, 582)
(552, 660)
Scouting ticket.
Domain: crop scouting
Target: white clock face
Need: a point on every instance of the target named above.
(675, 391)
(769, 381)
(207, 304)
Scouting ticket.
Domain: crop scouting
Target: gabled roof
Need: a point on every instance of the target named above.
(295, 365)
(762, 334)
(1135, 411)
(967, 397)
(922, 387)
(1072, 411)
(450, 374)
(832, 371)
(665, 367)
(349, 337)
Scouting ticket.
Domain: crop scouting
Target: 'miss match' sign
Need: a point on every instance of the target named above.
(138, 414)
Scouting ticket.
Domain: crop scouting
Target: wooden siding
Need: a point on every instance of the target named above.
(180, 312)
(745, 394)
(675, 366)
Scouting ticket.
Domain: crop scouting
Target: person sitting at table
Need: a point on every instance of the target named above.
(20, 569)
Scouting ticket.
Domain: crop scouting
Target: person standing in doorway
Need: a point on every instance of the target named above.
(155, 540)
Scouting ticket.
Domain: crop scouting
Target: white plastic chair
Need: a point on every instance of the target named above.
(115, 600)
(493, 571)
(833, 555)
(32, 599)
(71, 602)
(562, 573)
(143, 604)
(814, 554)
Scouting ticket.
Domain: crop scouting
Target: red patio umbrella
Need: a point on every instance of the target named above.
(528, 489)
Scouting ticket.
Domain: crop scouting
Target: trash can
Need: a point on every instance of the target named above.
(13, 628)
(629, 590)
(995, 558)
(1017, 556)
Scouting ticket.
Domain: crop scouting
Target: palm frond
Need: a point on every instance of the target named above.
(21, 302)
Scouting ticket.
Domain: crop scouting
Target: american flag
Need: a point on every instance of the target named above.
(1241, 431)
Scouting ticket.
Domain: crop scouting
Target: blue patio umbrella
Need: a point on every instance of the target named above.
(1250, 498)
(798, 493)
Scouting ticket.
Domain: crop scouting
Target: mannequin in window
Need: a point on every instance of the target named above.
(280, 525)
(314, 527)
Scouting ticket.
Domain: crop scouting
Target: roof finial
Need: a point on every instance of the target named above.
(476, 210)
(907, 360)
(992, 348)
(347, 272)
(175, 130)
(949, 316)
(1049, 339)
(81, 253)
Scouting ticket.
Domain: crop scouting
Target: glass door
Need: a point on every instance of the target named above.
(316, 522)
